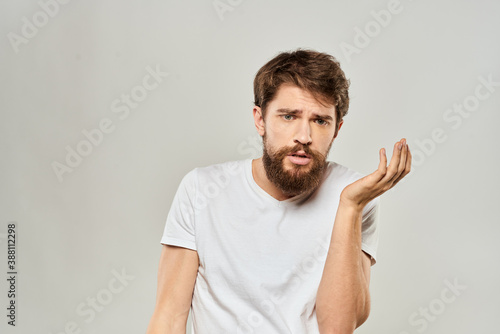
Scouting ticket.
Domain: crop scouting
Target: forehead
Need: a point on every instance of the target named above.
(292, 97)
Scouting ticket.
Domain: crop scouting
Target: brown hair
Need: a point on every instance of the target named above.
(316, 72)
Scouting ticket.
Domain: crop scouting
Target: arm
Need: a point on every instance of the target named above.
(343, 298)
(176, 278)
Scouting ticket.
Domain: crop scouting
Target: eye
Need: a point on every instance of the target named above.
(323, 122)
(286, 117)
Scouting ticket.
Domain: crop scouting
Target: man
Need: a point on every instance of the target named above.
(283, 243)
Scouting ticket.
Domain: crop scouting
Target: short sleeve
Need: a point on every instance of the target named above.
(370, 229)
(180, 225)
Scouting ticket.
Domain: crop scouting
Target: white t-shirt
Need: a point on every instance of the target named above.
(261, 260)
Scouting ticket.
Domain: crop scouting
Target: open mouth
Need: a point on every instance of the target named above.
(299, 158)
(300, 155)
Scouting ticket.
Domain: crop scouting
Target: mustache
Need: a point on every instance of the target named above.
(299, 147)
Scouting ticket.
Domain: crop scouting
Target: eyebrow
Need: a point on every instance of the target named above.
(298, 111)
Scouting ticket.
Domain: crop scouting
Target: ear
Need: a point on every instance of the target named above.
(338, 130)
(259, 121)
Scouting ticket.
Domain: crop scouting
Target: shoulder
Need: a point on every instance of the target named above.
(336, 172)
(338, 175)
(220, 171)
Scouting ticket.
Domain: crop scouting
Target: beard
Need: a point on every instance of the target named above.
(299, 178)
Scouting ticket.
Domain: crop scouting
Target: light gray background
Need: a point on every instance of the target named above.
(439, 225)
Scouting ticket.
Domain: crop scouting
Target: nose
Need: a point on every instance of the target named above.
(303, 133)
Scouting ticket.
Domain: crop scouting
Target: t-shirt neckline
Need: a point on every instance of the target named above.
(262, 193)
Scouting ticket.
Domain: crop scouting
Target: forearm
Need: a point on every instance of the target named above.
(166, 325)
(342, 301)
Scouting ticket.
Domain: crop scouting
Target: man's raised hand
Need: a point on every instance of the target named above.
(359, 193)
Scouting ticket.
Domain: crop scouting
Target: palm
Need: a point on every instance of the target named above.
(362, 191)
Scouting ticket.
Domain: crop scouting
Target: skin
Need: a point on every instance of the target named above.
(177, 273)
(284, 130)
(343, 297)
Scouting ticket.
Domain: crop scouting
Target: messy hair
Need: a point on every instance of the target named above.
(316, 72)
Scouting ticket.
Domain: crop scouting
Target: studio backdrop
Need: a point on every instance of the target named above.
(106, 105)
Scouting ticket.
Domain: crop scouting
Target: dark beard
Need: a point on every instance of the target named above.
(300, 178)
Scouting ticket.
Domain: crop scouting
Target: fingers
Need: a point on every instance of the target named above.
(402, 160)
(407, 165)
(382, 166)
(408, 162)
(393, 167)
(399, 165)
